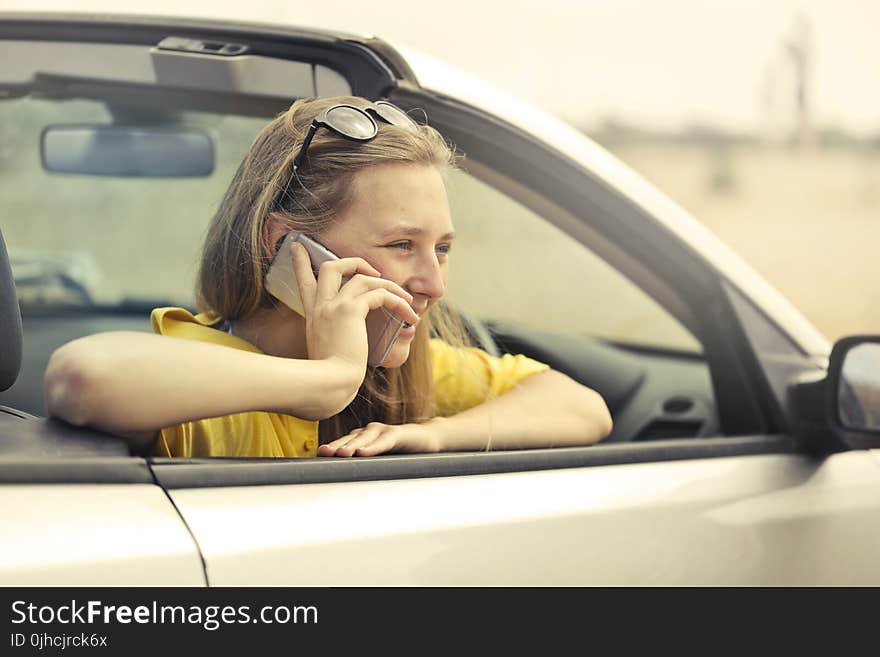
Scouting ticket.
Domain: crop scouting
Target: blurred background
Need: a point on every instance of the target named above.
(760, 117)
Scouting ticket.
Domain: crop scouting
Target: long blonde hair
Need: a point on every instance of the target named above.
(233, 265)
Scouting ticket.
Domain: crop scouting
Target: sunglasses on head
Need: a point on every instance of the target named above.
(356, 123)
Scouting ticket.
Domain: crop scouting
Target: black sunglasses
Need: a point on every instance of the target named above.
(355, 123)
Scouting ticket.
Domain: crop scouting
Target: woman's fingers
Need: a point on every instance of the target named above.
(378, 438)
(332, 273)
(305, 278)
(345, 292)
(381, 297)
(378, 445)
(366, 441)
(360, 287)
(360, 283)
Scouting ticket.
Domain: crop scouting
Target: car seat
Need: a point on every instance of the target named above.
(10, 323)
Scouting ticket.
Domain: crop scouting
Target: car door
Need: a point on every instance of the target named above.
(763, 519)
(700, 483)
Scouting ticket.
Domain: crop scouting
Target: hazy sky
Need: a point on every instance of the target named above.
(663, 62)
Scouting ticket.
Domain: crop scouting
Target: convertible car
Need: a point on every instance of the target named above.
(742, 449)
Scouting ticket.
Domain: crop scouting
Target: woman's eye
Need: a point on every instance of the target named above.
(441, 249)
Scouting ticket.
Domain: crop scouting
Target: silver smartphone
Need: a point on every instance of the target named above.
(383, 326)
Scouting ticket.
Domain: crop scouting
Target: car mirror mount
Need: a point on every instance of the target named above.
(808, 415)
(840, 409)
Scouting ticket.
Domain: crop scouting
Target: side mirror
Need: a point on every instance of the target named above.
(853, 391)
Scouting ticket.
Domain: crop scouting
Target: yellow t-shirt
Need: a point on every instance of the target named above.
(463, 378)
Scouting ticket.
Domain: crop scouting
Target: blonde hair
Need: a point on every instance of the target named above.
(234, 263)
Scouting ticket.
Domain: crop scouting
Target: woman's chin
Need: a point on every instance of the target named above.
(398, 355)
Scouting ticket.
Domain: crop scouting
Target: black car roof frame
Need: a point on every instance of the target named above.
(370, 66)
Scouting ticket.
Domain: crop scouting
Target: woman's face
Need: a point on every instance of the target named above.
(399, 222)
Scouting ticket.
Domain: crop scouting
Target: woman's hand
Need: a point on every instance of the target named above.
(336, 304)
(377, 438)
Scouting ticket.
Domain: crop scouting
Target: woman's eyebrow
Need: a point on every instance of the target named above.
(412, 231)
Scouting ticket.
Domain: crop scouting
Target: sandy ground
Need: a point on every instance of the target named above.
(809, 221)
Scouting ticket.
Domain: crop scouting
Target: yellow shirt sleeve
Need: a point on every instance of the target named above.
(466, 377)
(255, 433)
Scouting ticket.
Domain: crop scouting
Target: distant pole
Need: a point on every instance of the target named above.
(799, 47)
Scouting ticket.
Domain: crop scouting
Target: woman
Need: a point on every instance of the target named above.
(251, 377)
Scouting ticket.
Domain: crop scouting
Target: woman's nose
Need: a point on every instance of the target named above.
(429, 280)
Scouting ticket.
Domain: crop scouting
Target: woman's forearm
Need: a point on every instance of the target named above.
(132, 382)
(545, 410)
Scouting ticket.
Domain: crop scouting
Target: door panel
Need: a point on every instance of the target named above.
(94, 535)
(753, 520)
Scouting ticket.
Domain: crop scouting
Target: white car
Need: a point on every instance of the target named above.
(740, 453)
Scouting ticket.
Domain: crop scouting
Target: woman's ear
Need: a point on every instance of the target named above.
(274, 230)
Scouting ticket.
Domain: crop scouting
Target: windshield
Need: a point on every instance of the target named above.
(81, 240)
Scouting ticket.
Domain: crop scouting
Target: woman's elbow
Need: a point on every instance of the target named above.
(598, 417)
(604, 421)
(71, 383)
(589, 415)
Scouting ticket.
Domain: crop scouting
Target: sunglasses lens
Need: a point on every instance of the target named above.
(351, 122)
(394, 115)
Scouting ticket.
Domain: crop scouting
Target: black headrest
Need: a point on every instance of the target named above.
(10, 323)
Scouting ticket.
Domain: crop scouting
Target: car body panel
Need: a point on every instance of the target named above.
(752, 520)
(94, 535)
